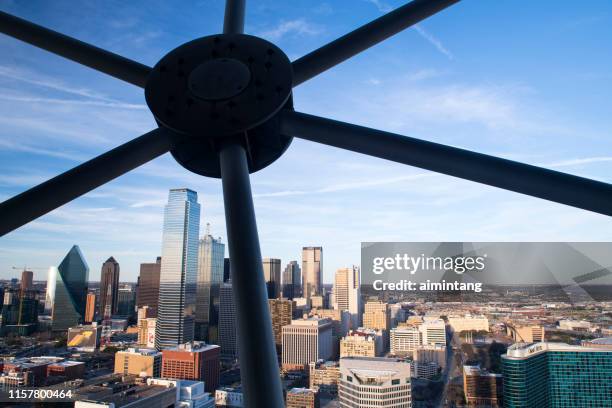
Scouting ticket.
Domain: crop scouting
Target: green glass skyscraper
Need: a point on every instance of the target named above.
(557, 375)
(70, 291)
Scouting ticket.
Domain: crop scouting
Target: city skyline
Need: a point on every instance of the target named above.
(550, 113)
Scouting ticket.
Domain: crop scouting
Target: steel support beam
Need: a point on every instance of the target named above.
(233, 22)
(51, 194)
(522, 178)
(259, 371)
(351, 44)
(101, 60)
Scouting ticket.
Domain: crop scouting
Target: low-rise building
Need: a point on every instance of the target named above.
(229, 397)
(302, 398)
(482, 388)
(575, 325)
(70, 370)
(193, 361)
(405, 339)
(142, 362)
(367, 379)
(123, 394)
(306, 340)
(603, 343)
(523, 332)
(190, 394)
(28, 372)
(468, 323)
(146, 332)
(362, 343)
(84, 337)
(324, 376)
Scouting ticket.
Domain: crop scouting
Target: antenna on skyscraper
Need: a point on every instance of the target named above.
(207, 228)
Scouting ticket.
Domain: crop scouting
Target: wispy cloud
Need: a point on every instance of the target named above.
(37, 79)
(423, 74)
(22, 147)
(580, 161)
(381, 5)
(434, 41)
(384, 7)
(324, 9)
(297, 27)
(346, 186)
(400, 104)
(57, 101)
(21, 179)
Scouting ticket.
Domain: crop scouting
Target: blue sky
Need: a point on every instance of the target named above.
(529, 81)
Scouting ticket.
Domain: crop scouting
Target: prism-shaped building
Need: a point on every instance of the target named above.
(70, 298)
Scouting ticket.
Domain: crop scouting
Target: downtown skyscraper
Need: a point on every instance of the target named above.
(179, 269)
(557, 375)
(148, 286)
(26, 280)
(70, 294)
(210, 276)
(109, 288)
(292, 280)
(272, 275)
(227, 322)
(312, 269)
(347, 294)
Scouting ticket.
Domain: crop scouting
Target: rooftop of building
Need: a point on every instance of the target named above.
(230, 389)
(310, 321)
(326, 364)
(32, 362)
(141, 351)
(375, 359)
(295, 391)
(603, 341)
(68, 363)
(477, 370)
(359, 335)
(525, 350)
(409, 327)
(437, 347)
(128, 396)
(192, 347)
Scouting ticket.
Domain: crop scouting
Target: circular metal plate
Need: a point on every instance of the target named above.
(189, 92)
(219, 79)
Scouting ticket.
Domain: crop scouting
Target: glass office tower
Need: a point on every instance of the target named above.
(292, 280)
(179, 269)
(109, 288)
(312, 270)
(70, 296)
(557, 375)
(210, 277)
(272, 276)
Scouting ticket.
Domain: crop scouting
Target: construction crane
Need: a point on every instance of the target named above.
(26, 268)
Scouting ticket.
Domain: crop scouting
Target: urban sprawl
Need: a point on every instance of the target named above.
(170, 340)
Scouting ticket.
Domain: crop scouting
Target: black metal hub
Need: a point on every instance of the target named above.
(217, 88)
